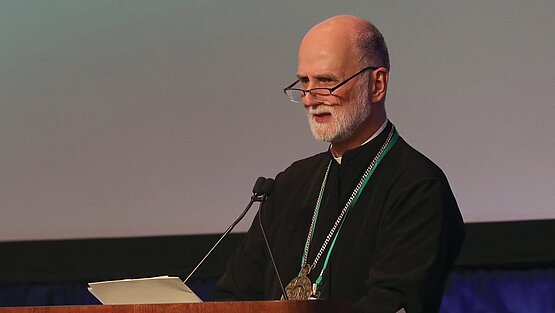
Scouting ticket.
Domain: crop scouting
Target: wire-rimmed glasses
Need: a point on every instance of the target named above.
(296, 94)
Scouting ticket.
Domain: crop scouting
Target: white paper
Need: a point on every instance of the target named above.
(161, 289)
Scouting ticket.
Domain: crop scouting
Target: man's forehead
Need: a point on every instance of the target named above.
(327, 48)
(318, 59)
(319, 62)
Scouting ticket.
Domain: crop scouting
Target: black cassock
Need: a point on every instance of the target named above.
(394, 250)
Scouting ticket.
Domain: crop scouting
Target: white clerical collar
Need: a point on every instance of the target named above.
(376, 134)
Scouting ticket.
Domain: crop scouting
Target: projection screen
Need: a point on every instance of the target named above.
(142, 118)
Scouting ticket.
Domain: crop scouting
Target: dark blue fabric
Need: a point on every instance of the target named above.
(527, 291)
(40, 294)
(45, 294)
(530, 291)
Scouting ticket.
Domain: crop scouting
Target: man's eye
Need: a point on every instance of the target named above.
(328, 80)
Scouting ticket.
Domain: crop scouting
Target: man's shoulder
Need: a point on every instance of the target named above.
(410, 162)
(306, 167)
(313, 160)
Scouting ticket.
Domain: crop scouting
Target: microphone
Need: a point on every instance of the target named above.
(267, 189)
(257, 189)
(258, 195)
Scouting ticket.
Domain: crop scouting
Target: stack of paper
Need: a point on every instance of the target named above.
(161, 289)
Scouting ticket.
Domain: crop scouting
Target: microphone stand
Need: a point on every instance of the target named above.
(256, 197)
(284, 294)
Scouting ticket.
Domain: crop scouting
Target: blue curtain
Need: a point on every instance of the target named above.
(530, 291)
(527, 291)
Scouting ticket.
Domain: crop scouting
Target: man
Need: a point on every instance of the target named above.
(371, 221)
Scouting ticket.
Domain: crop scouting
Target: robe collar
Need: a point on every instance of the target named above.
(349, 154)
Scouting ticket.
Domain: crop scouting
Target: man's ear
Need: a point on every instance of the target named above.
(379, 79)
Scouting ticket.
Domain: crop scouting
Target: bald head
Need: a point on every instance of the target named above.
(347, 37)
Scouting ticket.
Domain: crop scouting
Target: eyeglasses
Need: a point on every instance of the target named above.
(296, 94)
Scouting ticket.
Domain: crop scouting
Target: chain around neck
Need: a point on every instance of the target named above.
(352, 199)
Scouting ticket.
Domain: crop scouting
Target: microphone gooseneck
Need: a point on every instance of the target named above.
(257, 196)
(267, 189)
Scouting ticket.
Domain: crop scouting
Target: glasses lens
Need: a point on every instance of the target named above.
(320, 92)
(294, 95)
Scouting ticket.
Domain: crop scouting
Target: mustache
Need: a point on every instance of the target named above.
(320, 110)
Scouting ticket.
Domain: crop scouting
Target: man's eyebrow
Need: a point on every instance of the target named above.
(319, 77)
(326, 77)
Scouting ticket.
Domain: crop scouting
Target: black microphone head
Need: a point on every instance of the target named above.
(257, 189)
(268, 186)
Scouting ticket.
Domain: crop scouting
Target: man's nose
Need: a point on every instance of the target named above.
(309, 100)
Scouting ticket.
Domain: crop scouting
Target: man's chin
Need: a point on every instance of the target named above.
(323, 134)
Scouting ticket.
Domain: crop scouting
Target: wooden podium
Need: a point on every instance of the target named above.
(311, 306)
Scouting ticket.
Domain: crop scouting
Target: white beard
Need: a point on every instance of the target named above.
(346, 118)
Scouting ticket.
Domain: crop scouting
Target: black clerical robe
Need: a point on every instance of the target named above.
(394, 250)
